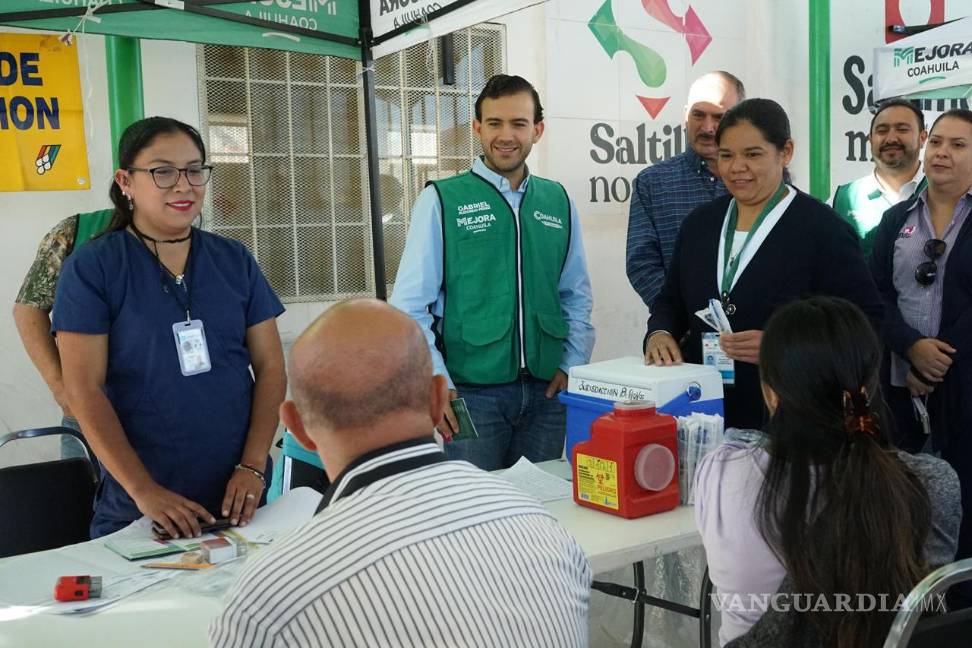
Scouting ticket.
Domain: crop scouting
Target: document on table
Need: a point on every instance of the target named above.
(287, 512)
(134, 546)
(27, 582)
(113, 589)
(537, 482)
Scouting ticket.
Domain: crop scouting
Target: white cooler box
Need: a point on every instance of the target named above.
(678, 390)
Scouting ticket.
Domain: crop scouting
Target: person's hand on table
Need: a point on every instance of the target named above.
(557, 384)
(742, 346)
(449, 424)
(930, 357)
(662, 349)
(243, 492)
(916, 387)
(178, 515)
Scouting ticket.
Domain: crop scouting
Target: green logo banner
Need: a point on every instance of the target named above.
(904, 56)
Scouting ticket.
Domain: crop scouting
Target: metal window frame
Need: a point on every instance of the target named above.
(404, 159)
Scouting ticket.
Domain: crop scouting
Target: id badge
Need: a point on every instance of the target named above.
(713, 355)
(190, 339)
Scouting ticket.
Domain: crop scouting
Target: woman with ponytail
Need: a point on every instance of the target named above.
(821, 506)
(159, 325)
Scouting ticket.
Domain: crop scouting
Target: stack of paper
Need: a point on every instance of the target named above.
(536, 481)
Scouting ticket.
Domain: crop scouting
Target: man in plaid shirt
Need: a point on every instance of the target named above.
(665, 193)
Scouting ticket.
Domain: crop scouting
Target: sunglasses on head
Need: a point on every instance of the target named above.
(927, 271)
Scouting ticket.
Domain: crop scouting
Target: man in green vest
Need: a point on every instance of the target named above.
(494, 273)
(897, 135)
(32, 308)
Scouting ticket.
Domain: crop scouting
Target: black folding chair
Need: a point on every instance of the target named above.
(913, 627)
(48, 504)
(705, 608)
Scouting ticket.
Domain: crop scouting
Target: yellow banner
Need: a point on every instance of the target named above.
(42, 146)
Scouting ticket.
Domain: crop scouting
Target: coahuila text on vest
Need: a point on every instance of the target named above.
(549, 221)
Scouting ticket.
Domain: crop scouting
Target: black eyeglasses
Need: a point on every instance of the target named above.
(166, 177)
(927, 271)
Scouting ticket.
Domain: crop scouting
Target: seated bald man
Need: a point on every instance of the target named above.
(407, 548)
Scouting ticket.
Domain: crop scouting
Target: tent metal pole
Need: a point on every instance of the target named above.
(125, 99)
(371, 146)
(820, 98)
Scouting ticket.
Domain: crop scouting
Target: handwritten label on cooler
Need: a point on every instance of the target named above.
(613, 391)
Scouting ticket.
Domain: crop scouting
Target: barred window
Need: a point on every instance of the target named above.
(286, 134)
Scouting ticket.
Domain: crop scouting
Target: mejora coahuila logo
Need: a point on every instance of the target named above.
(932, 60)
(904, 56)
(475, 223)
(406, 11)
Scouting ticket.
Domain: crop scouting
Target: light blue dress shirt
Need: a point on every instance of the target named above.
(418, 287)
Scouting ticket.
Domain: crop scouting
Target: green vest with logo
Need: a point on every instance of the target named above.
(863, 209)
(90, 224)
(480, 334)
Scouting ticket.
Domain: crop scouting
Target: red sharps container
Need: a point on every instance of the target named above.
(629, 465)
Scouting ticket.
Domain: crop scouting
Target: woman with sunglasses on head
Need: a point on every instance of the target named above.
(922, 264)
(158, 325)
(821, 505)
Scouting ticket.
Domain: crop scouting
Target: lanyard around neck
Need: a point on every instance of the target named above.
(732, 263)
(171, 283)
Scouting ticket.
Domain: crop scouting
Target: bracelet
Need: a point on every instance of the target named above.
(254, 471)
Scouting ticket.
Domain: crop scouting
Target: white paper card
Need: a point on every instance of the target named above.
(537, 482)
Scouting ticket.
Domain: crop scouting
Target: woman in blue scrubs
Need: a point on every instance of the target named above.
(159, 325)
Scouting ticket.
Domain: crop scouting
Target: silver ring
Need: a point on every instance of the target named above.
(250, 496)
